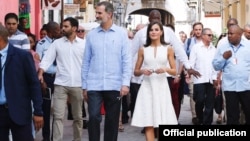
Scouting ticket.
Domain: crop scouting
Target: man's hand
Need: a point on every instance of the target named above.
(124, 90)
(40, 75)
(177, 79)
(85, 96)
(44, 86)
(227, 54)
(194, 73)
(38, 122)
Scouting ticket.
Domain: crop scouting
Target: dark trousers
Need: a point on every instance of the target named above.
(112, 105)
(19, 132)
(181, 87)
(125, 116)
(204, 97)
(46, 106)
(233, 100)
(174, 90)
(134, 88)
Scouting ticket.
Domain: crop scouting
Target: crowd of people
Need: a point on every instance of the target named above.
(146, 72)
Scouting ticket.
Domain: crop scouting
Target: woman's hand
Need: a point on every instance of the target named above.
(160, 70)
(147, 72)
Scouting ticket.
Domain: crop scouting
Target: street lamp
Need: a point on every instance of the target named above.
(129, 19)
(192, 4)
(119, 10)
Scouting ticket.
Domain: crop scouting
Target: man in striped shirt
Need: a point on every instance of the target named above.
(16, 37)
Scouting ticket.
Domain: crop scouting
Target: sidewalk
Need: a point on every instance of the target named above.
(130, 133)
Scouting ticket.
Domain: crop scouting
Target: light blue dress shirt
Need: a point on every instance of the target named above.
(236, 69)
(2, 91)
(107, 63)
(41, 48)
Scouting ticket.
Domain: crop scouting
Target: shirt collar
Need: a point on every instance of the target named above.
(77, 39)
(4, 50)
(17, 32)
(48, 39)
(112, 28)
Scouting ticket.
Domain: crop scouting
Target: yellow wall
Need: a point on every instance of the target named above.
(238, 9)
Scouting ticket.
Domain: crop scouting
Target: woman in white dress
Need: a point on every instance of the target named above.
(154, 104)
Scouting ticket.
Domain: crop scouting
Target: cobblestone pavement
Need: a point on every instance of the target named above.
(130, 133)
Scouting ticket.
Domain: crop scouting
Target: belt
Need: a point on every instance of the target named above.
(50, 74)
(4, 106)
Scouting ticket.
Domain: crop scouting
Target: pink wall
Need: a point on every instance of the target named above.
(7, 6)
(35, 17)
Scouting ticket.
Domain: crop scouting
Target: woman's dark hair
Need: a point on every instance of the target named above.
(44, 27)
(33, 36)
(148, 41)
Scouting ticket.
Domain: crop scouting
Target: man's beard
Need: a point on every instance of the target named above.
(98, 21)
(66, 34)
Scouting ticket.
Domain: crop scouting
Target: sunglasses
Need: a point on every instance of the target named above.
(80, 31)
(209, 35)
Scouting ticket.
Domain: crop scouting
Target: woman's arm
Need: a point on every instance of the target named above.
(172, 69)
(140, 58)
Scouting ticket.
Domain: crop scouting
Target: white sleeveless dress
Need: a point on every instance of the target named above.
(154, 104)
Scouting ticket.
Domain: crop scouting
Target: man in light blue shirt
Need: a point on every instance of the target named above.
(106, 72)
(233, 59)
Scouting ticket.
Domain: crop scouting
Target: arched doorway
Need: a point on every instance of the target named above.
(167, 18)
(174, 12)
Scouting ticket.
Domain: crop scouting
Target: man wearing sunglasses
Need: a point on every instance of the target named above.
(80, 32)
(201, 57)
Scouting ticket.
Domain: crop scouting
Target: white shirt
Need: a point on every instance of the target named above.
(243, 37)
(69, 58)
(222, 41)
(169, 37)
(201, 58)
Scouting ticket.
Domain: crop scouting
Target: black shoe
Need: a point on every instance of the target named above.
(195, 121)
(85, 124)
(156, 132)
(143, 131)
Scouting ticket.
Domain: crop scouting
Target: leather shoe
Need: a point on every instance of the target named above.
(195, 121)
(143, 131)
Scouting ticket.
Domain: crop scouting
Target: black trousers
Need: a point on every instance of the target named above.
(46, 106)
(134, 88)
(112, 105)
(19, 132)
(204, 97)
(233, 100)
(125, 109)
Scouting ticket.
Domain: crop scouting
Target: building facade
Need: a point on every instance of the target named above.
(35, 12)
(181, 13)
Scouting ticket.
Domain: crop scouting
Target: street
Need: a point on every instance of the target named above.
(130, 133)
